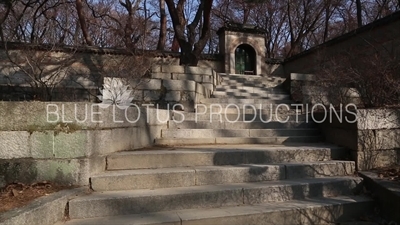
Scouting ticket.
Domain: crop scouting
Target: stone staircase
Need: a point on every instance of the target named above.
(223, 172)
(244, 110)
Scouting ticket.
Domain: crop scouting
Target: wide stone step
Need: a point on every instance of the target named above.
(241, 77)
(249, 89)
(236, 117)
(189, 124)
(208, 175)
(272, 106)
(220, 155)
(112, 203)
(217, 108)
(256, 84)
(211, 133)
(272, 85)
(238, 140)
(328, 210)
(244, 100)
(238, 93)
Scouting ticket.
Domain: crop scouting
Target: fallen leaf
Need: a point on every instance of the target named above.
(14, 192)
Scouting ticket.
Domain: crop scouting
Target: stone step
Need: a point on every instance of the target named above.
(238, 140)
(235, 83)
(192, 124)
(255, 84)
(238, 93)
(247, 108)
(259, 78)
(252, 133)
(248, 85)
(243, 100)
(208, 175)
(220, 155)
(328, 210)
(113, 203)
(234, 116)
(249, 89)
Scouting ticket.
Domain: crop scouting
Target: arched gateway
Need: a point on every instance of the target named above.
(245, 60)
(243, 48)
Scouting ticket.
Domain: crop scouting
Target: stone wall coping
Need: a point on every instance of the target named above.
(100, 50)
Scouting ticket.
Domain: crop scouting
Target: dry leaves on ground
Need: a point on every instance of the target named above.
(391, 173)
(17, 194)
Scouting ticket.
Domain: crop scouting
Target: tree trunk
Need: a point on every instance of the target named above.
(359, 11)
(189, 55)
(163, 27)
(175, 45)
(82, 22)
(327, 16)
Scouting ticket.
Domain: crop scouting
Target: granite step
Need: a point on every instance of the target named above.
(251, 133)
(113, 203)
(208, 175)
(250, 124)
(239, 116)
(328, 210)
(218, 155)
(279, 140)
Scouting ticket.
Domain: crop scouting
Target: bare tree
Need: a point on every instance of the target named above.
(131, 9)
(38, 72)
(8, 5)
(302, 19)
(375, 78)
(82, 22)
(163, 27)
(359, 13)
(190, 51)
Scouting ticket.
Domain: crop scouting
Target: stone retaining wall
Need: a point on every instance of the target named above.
(373, 140)
(67, 142)
(208, 77)
(305, 89)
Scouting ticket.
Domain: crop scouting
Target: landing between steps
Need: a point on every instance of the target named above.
(306, 211)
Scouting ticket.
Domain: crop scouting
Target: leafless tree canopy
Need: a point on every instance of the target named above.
(291, 25)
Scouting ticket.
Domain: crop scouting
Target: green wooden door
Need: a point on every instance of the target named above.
(244, 60)
(240, 56)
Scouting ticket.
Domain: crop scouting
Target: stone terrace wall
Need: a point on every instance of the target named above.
(70, 143)
(373, 140)
(86, 70)
(379, 35)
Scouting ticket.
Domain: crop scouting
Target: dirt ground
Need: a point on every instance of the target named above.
(18, 194)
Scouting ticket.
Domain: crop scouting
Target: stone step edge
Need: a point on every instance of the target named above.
(232, 149)
(240, 214)
(219, 167)
(236, 140)
(256, 120)
(199, 175)
(232, 133)
(167, 155)
(210, 196)
(121, 194)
